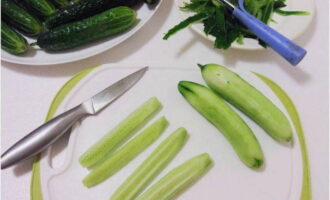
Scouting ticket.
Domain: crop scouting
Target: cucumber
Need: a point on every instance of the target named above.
(11, 41)
(61, 3)
(20, 19)
(152, 166)
(83, 9)
(120, 133)
(226, 120)
(113, 21)
(248, 99)
(42, 7)
(124, 155)
(178, 179)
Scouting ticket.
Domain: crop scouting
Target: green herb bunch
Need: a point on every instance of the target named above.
(219, 22)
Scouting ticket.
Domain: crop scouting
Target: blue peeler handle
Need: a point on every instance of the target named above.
(282, 45)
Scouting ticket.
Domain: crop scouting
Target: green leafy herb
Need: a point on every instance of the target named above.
(219, 22)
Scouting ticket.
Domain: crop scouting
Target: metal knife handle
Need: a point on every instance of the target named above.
(39, 139)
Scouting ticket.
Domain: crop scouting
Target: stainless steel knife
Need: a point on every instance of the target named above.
(45, 135)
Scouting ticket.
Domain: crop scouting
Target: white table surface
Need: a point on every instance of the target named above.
(28, 90)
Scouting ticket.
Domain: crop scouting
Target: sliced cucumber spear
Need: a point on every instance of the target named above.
(124, 155)
(248, 99)
(152, 166)
(120, 133)
(226, 120)
(178, 179)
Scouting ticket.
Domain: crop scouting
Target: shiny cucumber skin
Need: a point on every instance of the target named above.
(249, 100)
(127, 153)
(20, 19)
(178, 179)
(82, 10)
(42, 7)
(113, 21)
(11, 41)
(152, 166)
(226, 120)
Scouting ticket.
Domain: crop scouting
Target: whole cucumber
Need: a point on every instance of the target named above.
(20, 19)
(226, 120)
(248, 99)
(83, 9)
(108, 23)
(42, 7)
(11, 41)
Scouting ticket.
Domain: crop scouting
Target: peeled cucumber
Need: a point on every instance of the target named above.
(248, 99)
(226, 120)
(124, 155)
(120, 133)
(178, 179)
(152, 166)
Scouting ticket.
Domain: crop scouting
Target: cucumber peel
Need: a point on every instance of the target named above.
(152, 166)
(120, 133)
(124, 155)
(178, 179)
(226, 120)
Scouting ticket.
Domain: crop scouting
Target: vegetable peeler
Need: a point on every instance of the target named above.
(278, 42)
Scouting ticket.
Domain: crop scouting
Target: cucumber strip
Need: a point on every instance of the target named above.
(152, 166)
(178, 179)
(248, 99)
(226, 120)
(127, 153)
(120, 133)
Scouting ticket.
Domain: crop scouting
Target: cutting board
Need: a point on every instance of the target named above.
(61, 174)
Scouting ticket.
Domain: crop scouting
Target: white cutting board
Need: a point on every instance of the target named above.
(229, 178)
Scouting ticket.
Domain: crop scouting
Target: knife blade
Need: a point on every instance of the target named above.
(45, 135)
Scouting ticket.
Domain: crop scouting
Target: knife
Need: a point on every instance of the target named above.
(45, 135)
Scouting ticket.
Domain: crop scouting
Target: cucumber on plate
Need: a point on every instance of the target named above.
(110, 22)
(11, 41)
(20, 19)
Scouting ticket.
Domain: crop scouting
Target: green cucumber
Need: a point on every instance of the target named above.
(152, 166)
(120, 133)
(83, 9)
(113, 21)
(127, 153)
(178, 179)
(42, 7)
(11, 41)
(226, 120)
(248, 99)
(20, 19)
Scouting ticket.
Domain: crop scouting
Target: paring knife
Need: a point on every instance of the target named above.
(39, 139)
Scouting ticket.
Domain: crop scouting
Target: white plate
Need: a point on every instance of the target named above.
(41, 57)
(290, 26)
(229, 178)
